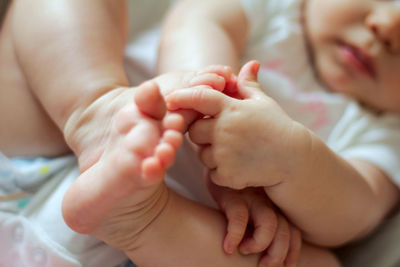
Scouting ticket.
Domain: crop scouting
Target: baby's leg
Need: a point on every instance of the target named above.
(126, 183)
(313, 256)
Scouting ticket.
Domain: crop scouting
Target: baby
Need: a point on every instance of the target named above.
(120, 197)
(65, 72)
(319, 131)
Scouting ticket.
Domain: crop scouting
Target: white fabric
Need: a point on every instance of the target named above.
(277, 41)
(34, 234)
(141, 51)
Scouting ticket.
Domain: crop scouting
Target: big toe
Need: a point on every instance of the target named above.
(149, 100)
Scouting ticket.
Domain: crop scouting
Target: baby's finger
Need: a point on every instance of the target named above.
(295, 247)
(238, 217)
(231, 86)
(219, 193)
(201, 132)
(202, 99)
(236, 211)
(213, 80)
(278, 250)
(265, 224)
(221, 70)
(219, 179)
(247, 83)
(207, 157)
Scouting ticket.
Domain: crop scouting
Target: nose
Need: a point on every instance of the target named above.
(384, 22)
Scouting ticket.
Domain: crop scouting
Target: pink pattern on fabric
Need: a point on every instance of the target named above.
(278, 66)
(314, 103)
(319, 109)
(275, 64)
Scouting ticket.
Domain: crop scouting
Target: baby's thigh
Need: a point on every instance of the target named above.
(313, 256)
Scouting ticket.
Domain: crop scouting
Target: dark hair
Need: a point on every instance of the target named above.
(3, 9)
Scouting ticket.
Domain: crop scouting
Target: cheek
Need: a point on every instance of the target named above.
(335, 78)
(320, 16)
(391, 87)
(332, 17)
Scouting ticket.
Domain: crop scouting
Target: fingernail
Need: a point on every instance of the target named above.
(244, 251)
(168, 104)
(228, 248)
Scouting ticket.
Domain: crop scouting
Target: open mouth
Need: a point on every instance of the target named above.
(358, 60)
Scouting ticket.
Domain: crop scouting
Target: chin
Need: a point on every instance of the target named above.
(338, 84)
(333, 78)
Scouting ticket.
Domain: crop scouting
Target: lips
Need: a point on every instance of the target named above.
(358, 59)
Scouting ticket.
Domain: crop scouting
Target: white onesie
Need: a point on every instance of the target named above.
(277, 41)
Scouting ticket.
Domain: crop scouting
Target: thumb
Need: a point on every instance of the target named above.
(247, 83)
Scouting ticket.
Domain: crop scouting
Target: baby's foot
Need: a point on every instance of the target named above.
(125, 186)
(217, 77)
(86, 131)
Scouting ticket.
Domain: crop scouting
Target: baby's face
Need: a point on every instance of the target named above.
(356, 48)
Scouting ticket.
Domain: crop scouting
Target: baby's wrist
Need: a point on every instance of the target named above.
(303, 149)
(298, 150)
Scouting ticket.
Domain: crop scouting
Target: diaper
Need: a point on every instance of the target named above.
(32, 229)
(20, 178)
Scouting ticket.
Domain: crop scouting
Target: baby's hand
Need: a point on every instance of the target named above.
(247, 142)
(215, 77)
(255, 227)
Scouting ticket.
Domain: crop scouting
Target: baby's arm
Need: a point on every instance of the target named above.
(197, 34)
(255, 225)
(252, 142)
(189, 234)
(201, 33)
